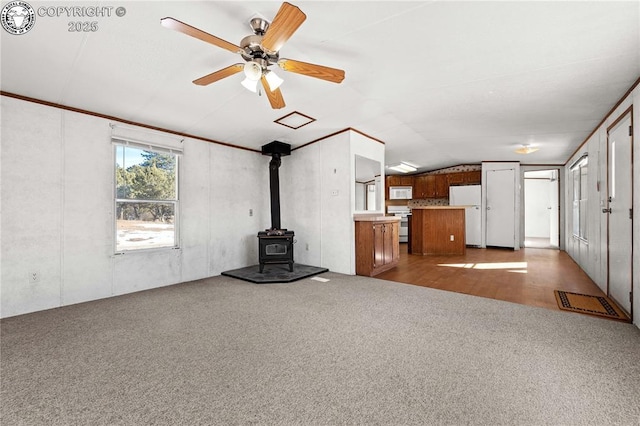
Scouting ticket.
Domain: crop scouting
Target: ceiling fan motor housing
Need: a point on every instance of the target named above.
(259, 25)
(252, 44)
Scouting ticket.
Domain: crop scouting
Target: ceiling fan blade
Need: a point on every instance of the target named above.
(219, 75)
(284, 24)
(312, 70)
(275, 98)
(187, 29)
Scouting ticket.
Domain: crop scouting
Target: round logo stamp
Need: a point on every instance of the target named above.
(17, 17)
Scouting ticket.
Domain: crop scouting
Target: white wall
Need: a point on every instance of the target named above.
(57, 212)
(300, 202)
(317, 186)
(592, 255)
(316, 196)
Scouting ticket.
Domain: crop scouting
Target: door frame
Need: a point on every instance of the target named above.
(561, 199)
(551, 168)
(621, 117)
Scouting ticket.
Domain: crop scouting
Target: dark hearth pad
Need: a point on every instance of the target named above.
(276, 273)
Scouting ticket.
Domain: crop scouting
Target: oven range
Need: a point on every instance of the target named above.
(403, 212)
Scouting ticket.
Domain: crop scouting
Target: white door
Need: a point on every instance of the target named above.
(554, 210)
(500, 218)
(619, 238)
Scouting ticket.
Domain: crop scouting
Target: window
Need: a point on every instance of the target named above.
(580, 193)
(146, 200)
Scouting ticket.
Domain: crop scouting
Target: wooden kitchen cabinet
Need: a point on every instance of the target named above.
(437, 185)
(442, 186)
(456, 178)
(377, 246)
(424, 186)
(397, 180)
(473, 177)
(393, 180)
(406, 180)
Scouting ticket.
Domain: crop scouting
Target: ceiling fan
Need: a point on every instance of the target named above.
(260, 51)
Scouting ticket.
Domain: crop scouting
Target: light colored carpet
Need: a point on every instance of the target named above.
(353, 350)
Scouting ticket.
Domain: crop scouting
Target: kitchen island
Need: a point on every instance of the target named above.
(438, 230)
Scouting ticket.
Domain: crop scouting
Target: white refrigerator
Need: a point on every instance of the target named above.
(469, 195)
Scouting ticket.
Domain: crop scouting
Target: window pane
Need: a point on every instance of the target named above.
(583, 219)
(145, 175)
(583, 201)
(145, 225)
(583, 183)
(576, 218)
(612, 173)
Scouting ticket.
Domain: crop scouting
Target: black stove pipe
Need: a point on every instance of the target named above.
(276, 150)
(274, 184)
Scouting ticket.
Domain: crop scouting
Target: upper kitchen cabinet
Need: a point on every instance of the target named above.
(473, 177)
(457, 178)
(424, 186)
(442, 185)
(437, 185)
(398, 180)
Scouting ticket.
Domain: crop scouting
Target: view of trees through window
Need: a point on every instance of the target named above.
(146, 198)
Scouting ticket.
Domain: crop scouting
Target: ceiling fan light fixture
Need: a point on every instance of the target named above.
(253, 70)
(250, 84)
(403, 167)
(526, 149)
(273, 79)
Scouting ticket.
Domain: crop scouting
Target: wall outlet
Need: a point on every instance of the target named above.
(250, 212)
(451, 238)
(334, 192)
(34, 277)
(307, 247)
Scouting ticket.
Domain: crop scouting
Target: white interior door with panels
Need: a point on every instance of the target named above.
(501, 211)
(619, 210)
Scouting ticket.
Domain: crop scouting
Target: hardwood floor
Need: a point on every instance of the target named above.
(527, 276)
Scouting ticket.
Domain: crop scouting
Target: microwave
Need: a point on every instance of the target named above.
(400, 192)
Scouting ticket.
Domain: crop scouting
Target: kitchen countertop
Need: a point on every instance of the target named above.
(439, 207)
(364, 217)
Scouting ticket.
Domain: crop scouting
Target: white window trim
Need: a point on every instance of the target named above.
(118, 141)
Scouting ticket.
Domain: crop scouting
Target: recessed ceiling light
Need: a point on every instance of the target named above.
(526, 149)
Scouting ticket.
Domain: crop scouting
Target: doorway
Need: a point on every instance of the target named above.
(619, 209)
(542, 209)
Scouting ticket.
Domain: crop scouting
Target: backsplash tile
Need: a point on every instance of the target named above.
(428, 202)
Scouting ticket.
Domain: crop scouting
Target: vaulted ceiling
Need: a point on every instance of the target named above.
(440, 82)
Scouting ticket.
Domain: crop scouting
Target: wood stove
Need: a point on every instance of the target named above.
(275, 245)
(275, 248)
